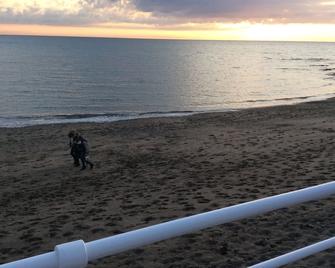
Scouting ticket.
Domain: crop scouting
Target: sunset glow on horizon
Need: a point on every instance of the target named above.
(303, 20)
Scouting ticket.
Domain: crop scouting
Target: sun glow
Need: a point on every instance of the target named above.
(290, 32)
(240, 31)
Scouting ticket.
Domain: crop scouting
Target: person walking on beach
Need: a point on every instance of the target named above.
(74, 148)
(80, 150)
(83, 151)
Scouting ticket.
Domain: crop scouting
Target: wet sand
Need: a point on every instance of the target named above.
(153, 170)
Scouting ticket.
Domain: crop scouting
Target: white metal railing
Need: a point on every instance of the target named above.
(77, 254)
(297, 254)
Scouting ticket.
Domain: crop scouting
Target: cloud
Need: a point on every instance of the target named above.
(240, 10)
(162, 13)
(70, 12)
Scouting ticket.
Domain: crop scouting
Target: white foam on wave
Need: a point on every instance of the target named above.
(17, 122)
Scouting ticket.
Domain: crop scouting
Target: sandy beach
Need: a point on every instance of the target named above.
(153, 170)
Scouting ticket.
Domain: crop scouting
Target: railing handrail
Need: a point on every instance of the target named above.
(297, 254)
(76, 254)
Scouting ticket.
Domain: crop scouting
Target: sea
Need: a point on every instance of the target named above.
(49, 80)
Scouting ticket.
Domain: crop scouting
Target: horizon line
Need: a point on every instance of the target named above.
(164, 39)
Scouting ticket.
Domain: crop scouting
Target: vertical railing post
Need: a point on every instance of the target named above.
(72, 255)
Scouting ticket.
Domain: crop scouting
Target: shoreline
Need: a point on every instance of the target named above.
(129, 116)
(158, 169)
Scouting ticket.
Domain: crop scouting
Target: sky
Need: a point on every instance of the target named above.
(282, 20)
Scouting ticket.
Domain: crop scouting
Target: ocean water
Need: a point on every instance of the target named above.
(47, 80)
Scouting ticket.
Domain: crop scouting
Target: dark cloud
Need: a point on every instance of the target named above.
(254, 10)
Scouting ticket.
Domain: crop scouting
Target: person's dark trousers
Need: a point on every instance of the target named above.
(75, 157)
(89, 162)
(83, 161)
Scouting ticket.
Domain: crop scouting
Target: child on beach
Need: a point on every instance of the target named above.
(79, 150)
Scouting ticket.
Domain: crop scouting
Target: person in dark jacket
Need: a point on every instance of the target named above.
(82, 150)
(74, 148)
